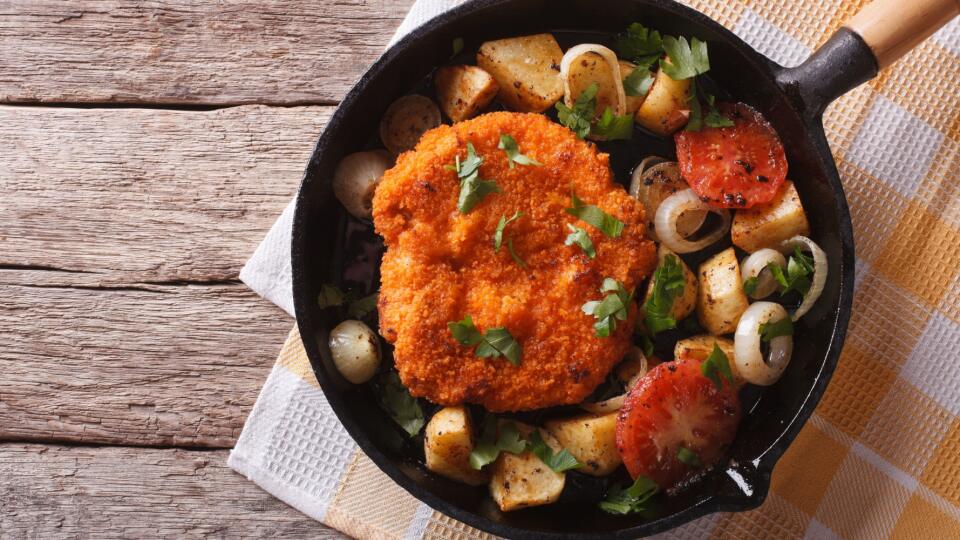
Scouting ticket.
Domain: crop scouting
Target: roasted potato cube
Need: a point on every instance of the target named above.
(701, 346)
(591, 439)
(521, 481)
(667, 105)
(447, 445)
(591, 68)
(767, 225)
(526, 68)
(684, 304)
(721, 300)
(464, 91)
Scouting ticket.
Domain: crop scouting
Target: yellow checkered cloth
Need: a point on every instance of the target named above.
(880, 457)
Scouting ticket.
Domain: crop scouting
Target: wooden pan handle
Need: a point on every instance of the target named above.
(892, 27)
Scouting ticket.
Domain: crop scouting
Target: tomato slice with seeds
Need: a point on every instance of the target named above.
(673, 407)
(733, 167)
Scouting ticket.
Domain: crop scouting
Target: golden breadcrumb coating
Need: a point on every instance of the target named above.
(440, 265)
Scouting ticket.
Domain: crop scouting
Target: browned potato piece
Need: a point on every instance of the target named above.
(447, 445)
(527, 69)
(633, 102)
(684, 304)
(667, 105)
(521, 481)
(591, 439)
(406, 120)
(721, 300)
(591, 68)
(701, 346)
(463, 91)
(767, 225)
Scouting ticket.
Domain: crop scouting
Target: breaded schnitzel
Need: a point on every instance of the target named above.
(440, 265)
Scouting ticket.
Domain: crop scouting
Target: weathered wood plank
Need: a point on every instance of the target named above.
(161, 365)
(197, 52)
(133, 195)
(77, 492)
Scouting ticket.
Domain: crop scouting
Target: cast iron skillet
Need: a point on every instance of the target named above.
(330, 247)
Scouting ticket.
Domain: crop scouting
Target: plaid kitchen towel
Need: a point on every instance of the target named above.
(880, 458)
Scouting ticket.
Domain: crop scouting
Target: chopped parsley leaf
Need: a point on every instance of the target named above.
(580, 116)
(513, 254)
(498, 236)
(580, 237)
(716, 365)
(612, 127)
(668, 285)
(770, 330)
(509, 145)
(713, 117)
(400, 405)
(494, 343)
(632, 499)
(609, 310)
(557, 461)
(492, 441)
(796, 277)
(593, 215)
(638, 82)
(647, 345)
(750, 285)
(360, 307)
(640, 45)
(472, 188)
(688, 457)
(687, 59)
(330, 296)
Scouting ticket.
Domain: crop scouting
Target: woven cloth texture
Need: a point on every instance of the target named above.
(880, 458)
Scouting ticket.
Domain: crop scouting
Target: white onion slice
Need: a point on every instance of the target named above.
(819, 272)
(637, 364)
(609, 57)
(755, 266)
(670, 212)
(746, 345)
(356, 179)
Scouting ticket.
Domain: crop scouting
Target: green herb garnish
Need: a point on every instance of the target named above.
(492, 441)
(400, 405)
(770, 330)
(640, 45)
(611, 127)
(581, 118)
(558, 462)
(646, 344)
(494, 343)
(638, 82)
(330, 296)
(472, 188)
(498, 236)
(609, 310)
(713, 117)
(457, 46)
(688, 457)
(668, 285)
(513, 254)
(716, 365)
(580, 237)
(360, 307)
(697, 119)
(593, 215)
(509, 145)
(750, 285)
(796, 277)
(631, 500)
(687, 60)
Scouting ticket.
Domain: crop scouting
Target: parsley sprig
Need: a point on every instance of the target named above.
(580, 237)
(771, 330)
(611, 309)
(557, 461)
(797, 275)
(668, 285)
(509, 145)
(504, 221)
(473, 189)
(750, 285)
(496, 437)
(496, 342)
(715, 365)
(593, 215)
(688, 457)
(399, 404)
(632, 499)
(333, 296)
(582, 118)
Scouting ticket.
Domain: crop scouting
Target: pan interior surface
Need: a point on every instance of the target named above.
(329, 247)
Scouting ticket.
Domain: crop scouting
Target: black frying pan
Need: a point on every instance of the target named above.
(330, 247)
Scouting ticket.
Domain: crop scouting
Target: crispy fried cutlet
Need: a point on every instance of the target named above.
(440, 265)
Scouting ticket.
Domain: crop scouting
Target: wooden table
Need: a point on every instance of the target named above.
(145, 149)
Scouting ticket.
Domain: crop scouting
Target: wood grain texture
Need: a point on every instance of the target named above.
(198, 52)
(143, 365)
(52, 492)
(121, 196)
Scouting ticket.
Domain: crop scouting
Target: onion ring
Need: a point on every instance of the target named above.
(666, 222)
(610, 405)
(755, 265)
(746, 345)
(609, 57)
(819, 272)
